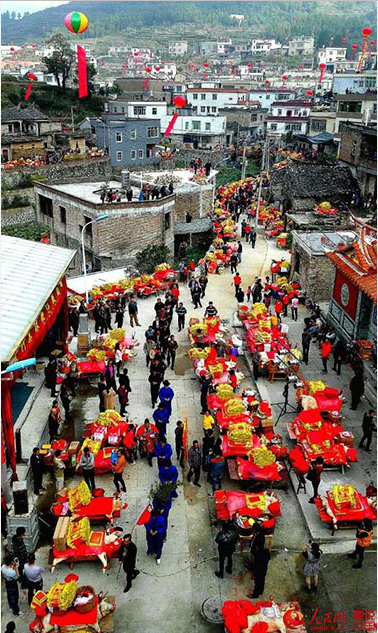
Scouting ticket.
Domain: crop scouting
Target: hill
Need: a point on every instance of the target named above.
(273, 19)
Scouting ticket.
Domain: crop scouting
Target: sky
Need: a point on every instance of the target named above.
(28, 5)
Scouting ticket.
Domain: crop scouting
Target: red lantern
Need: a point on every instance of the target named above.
(284, 79)
(343, 39)
(366, 32)
(148, 70)
(136, 53)
(371, 47)
(322, 67)
(300, 67)
(206, 65)
(31, 77)
(249, 64)
(157, 68)
(12, 49)
(179, 103)
(309, 93)
(267, 82)
(354, 48)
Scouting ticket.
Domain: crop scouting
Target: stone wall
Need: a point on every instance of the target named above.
(314, 275)
(198, 203)
(21, 215)
(92, 169)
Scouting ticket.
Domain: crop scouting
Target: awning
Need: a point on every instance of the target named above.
(322, 138)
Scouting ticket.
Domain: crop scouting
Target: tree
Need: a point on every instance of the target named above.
(18, 16)
(60, 62)
(151, 256)
(13, 15)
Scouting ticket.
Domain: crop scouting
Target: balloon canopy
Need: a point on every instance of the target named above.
(76, 22)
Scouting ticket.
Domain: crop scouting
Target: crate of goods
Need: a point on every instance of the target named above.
(267, 424)
(365, 349)
(346, 438)
(73, 449)
(60, 534)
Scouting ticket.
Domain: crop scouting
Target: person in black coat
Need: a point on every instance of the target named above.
(101, 387)
(368, 427)
(119, 317)
(226, 540)
(127, 556)
(36, 464)
(260, 568)
(51, 376)
(339, 355)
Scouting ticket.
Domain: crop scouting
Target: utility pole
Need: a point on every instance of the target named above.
(72, 120)
(260, 184)
(244, 163)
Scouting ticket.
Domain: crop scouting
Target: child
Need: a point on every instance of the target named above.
(249, 292)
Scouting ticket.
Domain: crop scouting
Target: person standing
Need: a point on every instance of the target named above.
(127, 558)
(36, 464)
(19, 548)
(326, 349)
(54, 421)
(66, 397)
(156, 528)
(208, 443)
(154, 380)
(117, 470)
(237, 282)
(51, 375)
(208, 421)
(364, 535)
(196, 294)
(163, 451)
(226, 540)
(166, 395)
(11, 574)
(110, 375)
(87, 464)
(306, 340)
(101, 387)
(357, 388)
(59, 467)
(168, 474)
(294, 308)
(260, 568)
(240, 250)
(118, 358)
(314, 475)
(194, 462)
(311, 565)
(181, 312)
(161, 418)
(205, 383)
(119, 317)
(339, 355)
(172, 346)
(256, 360)
(233, 262)
(179, 445)
(133, 312)
(368, 427)
(216, 461)
(253, 237)
(123, 397)
(211, 310)
(33, 575)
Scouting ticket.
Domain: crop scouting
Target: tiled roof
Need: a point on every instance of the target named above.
(22, 114)
(233, 90)
(359, 267)
(323, 182)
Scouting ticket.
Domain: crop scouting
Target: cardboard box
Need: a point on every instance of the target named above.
(60, 534)
(73, 448)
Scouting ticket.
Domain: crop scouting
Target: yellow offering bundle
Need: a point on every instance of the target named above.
(126, 284)
(97, 354)
(216, 369)
(79, 496)
(108, 418)
(118, 334)
(110, 343)
(325, 206)
(234, 406)
(194, 352)
(343, 495)
(78, 532)
(161, 267)
(61, 595)
(224, 392)
(92, 445)
(314, 386)
(198, 326)
(263, 456)
(256, 501)
(240, 433)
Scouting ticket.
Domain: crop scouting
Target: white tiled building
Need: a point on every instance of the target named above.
(291, 116)
(209, 100)
(331, 55)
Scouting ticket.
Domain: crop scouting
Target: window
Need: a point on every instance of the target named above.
(63, 215)
(253, 117)
(318, 125)
(10, 127)
(133, 154)
(213, 109)
(273, 127)
(93, 129)
(279, 111)
(118, 137)
(119, 156)
(267, 97)
(187, 125)
(133, 134)
(123, 109)
(207, 127)
(115, 108)
(195, 95)
(150, 151)
(374, 108)
(353, 148)
(140, 153)
(296, 111)
(167, 221)
(152, 132)
(154, 110)
(350, 106)
(203, 96)
(88, 229)
(196, 125)
(215, 97)
(46, 206)
(138, 110)
(203, 108)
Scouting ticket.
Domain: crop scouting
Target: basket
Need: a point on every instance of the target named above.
(85, 608)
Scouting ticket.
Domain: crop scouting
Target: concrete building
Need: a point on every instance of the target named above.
(29, 120)
(321, 121)
(355, 108)
(209, 100)
(264, 46)
(244, 122)
(299, 46)
(358, 149)
(309, 264)
(267, 97)
(112, 243)
(129, 141)
(288, 116)
(199, 130)
(178, 49)
(331, 55)
(355, 83)
(220, 47)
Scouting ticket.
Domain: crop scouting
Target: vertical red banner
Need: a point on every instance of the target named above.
(82, 72)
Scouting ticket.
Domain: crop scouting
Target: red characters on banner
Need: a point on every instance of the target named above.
(179, 103)
(31, 77)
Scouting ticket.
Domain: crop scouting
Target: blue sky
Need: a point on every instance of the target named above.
(28, 5)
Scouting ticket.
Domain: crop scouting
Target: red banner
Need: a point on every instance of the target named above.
(346, 294)
(82, 72)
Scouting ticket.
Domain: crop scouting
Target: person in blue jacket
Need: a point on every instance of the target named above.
(161, 419)
(162, 451)
(156, 528)
(166, 396)
(163, 508)
(169, 474)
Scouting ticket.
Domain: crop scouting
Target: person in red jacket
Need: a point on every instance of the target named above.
(192, 266)
(278, 308)
(326, 349)
(237, 282)
(285, 301)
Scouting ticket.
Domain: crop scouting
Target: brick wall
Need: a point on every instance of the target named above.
(315, 273)
(93, 169)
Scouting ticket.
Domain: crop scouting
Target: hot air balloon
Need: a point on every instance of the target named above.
(78, 23)
(179, 103)
(31, 77)
(322, 67)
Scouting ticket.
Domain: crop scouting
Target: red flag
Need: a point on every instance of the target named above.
(82, 72)
(145, 516)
